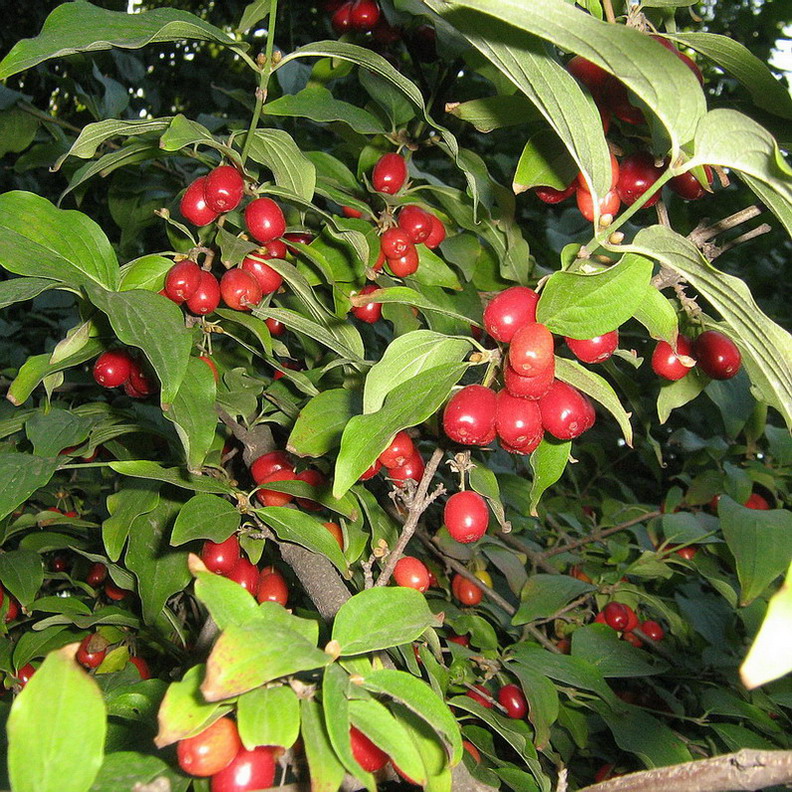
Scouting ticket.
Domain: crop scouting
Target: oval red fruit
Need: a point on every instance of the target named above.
(651, 629)
(248, 770)
(406, 265)
(210, 751)
(240, 289)
(687, 186)
(469, 417)
(272, 587)
(608, 205)
(389, 174)
(182, 281)
(367, 755)
(112, 368)
(395, 243)
(594, 350)
(512, 699)
(400, 449)
(566, 412)
(272, 497)
(717, 355)
(510, 310)
(364, 14)
(466, 591)
(370, 312)
(220, 557)
(666, 362)
(528, 387)
(246, 574)
(206, 297)
(411, 572)
(223, 188)
(466, 516)
(550, 195)
(412, 469)
(269, 280)
(531, 350)
(416, 223)
(637, 173)
(437, 234)
(264, 220)
(193, 206)
(518, 422)
(475, 694)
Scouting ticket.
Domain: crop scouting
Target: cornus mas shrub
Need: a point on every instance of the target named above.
(379, 412)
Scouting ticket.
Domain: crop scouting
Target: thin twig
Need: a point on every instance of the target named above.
(420, 501)
(705, 233)
(609, 15)
(600, 535)
(536, 558)
(748, 235)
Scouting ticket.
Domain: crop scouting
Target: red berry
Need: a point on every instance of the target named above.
(688, 61)
(637, 173)
(412, 468)
(364, 14)
(604, 773)
(513, 700)
(315, 479)
(410, 572)
(113, 592)
(371, 472)
(142, 667)
(617, 616)
(193, 204)
(92, 651)
(182, 280)
(437, 234)
(666, 362)
(269, 463)
(401, 448)
(224, 188)
(370, 312)
(143, 385)
(566, 412)
(210, 751)
(274, 249)
(512, 309)
(96, 574)
(249, 770)
(518, 422)
(531, 349)
(472, 750)
(389, 174)
(466, 516)
(246, 574)
(651, 629)
(469, 417)
(206, 297)
(462, 640)
(591, 75)
(632, 639)
(583, 185)
(268, 279)
(303, 237)
(466, 591)
(688, 186)
(272, 587)
(240, 289)
(275, 327)
(594, 350)
(485, 700)
(395, 243)
(406, 265)
(337, 533)
(349, 211)
(264, 220)
(632, 619)
(528, 387)
(616, 98)
(608, 205)
(550, 195)
(342, 18)
(367, 755)
(24, 674)
(212, 366)
(59, 563)
(756, 501)
(220, 557)
(416, 223)
(112, 368)
(717, 355)
(272, 497)
(385, 33)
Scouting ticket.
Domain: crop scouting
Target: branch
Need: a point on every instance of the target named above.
(418, 505)
(256, 441)
(320, 578)
(744, 770)
(600, 535)
(702, 234)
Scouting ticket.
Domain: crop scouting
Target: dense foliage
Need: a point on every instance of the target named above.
(375, 412)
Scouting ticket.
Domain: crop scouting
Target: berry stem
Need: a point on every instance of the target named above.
(607, 6)
(264, 76)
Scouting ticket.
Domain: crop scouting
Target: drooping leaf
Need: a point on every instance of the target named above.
(543, 595)
(125, 506)
(20, 476)
(602, 647)
(22, 573)
(326, 771)
(548, 463)
(55, 430)
(545, 160)
(176, 476)
(17, 290)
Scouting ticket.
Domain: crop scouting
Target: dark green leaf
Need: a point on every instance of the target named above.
(291, 168)
(128, 769)
(176, 476)
(93, 135)
(125, 506)
(20, 476)
(544, 595)
(51, 432)
(22, 573)
(602, 647)
(205, 517)
(326, 771)
(22, 289)
(321, 422)
(542, 697)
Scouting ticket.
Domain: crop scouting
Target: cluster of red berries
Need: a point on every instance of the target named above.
(217, 753)
(120, 367)
(510, 697)
(623, 619)
(712, 352)
(466, 592)
(354, 15)
(97, 575)
(401, 459)
(209, 196)
(93, 649)
(532, 401)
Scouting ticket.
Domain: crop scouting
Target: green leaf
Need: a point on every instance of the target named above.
(291, 168)
(678, 393)
(126, 769)
(766, 348)
(587, 305)
(325, 770)
(51, 432)
(255, 12)
(146, 272)
(56, 729)
(433, 271)
(184, 712)
(484, 481)
(17, 290)
(22, 573)
(542, 698)
(657, 315)
(418, 697)
(183, 132)
(205, 517)
(676, 99)
(545, 160)
(82, 27)
(321, 422)
(495, 112)
(407, 296)
(176, 476)
(295, 526)
(21, 475)
(548, 462)
(598, 388)
(602, 647)
(154, 324)
(268, 716)
(227, 602)
(409, 404)
(17, 130)
(761, 542)
(247, 656)
(193, 414)
(37, 238)
(544, 595)
(160, 571)
(770, 656)
(405, 358)
(125, 506)
(317, 104)
(765, 89)
(381, 617)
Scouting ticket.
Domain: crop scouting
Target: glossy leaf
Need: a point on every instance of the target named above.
(548, 463)
(268, 716)
(55, 430)
(292, 170)
(176, 476)
(545, 160)
(17, 290)
(205, 517)
(56, 729)
(326, 771)
(146, 272)
(320, 424)
(37, 238)
(20, 476)
(544, 595)
(381, 617)
(125, 506)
